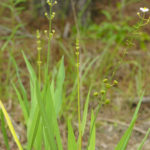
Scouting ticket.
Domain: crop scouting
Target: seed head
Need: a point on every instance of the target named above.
(46, 14)
(107, 101)
(102, 92)
(108, 85)
(95, 93)
(105, 80)
(115, 82)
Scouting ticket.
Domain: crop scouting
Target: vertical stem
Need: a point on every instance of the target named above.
(49, 37)
(78, 88)
(39, 67)
(39, 56)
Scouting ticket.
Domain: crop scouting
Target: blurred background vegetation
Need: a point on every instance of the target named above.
(110, 48)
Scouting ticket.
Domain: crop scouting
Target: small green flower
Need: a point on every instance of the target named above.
(102, 92)
(105, 80)
(95, 93)
(46, 14)
(115, 82)
(107, 101)
(108, 86)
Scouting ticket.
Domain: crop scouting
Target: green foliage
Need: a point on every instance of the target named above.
(4, 130)
(72, 145)
(92, 140)
(125, 138)
(143, 141)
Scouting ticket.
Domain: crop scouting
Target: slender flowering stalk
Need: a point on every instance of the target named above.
(39, 55)
(78, 80)
(50, 34)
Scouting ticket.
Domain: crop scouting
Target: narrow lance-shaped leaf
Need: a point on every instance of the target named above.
(72, 145)
(85, 112)
(125, 138)
(50, 110)
(4, 132)
(59, 87)
(143, 141)
(47, 121)
(10, 126)
(92, 132)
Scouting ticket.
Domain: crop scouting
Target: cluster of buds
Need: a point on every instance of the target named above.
(103, 93)
(38, 40)
(77, 52)
(51, 4)
(51, 34)
(52, 15)
(38, 36)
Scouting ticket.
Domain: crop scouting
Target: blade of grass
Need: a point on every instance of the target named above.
(85, 112)
(93, 133)
(30, 69)
(33, 135)
(50, 110)
(4, 130)
(22, 104)
(47, 121)
(11, 36)
(72, 145)
(23, 91)
(10, 126)
(143, 141)
(59, 87)
(125, 138)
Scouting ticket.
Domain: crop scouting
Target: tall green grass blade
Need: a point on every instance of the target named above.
(22, 104)
(85, 112)
(35, 125)
(47, 121)
(30, 69)
(4, 130)
(52, 90)
(33, 131)
(11, 36)
(125, 138)
(39, 136)
(59, 87)
(46, 142)
(50, 110)
(23, 91)
(143, 141)
(32, 127)
(12, 130)
(93, 133)
(72, 145)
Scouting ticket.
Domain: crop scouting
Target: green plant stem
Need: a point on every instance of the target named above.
(79, 112)
(49, 37)
(39, 67)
